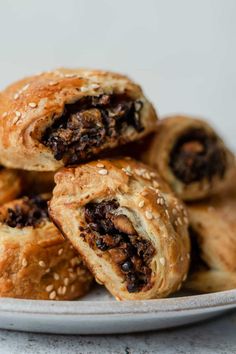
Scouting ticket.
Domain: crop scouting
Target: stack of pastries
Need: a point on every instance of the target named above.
(93, 187)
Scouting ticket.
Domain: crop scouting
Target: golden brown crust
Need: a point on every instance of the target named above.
(155, 213)
(29, 106)
(214, 225)
(10, 184)
(169, 130)
(38, 263)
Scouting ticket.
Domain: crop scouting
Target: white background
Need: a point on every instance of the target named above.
(182, 52)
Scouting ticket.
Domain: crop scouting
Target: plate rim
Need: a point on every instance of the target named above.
(210, 302)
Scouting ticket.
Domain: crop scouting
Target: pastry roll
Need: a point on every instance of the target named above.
(10, 184)
(69, 116)
(36, 262)
(190, 156)
(127, 225)
(213, 235)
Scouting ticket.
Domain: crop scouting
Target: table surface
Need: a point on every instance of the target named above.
(214, 336)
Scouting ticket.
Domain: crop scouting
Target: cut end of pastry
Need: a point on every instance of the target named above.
(198, 155)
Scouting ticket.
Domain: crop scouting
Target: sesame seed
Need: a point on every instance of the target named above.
(148, 214)
(72, 276)
(179, 221)
(24, 88)
(162, 261)
(167, 213)
(144, 193)
(16, 96)
(188, 255)
(179, 287)
(138, 172)
(174, 211)
(153, 174)
(155, 184)
(100, 165)
(60, 251)
(74, 261)
(181, 259)
(47, 270)
(24, 262)
(66, 281)
(53, 83)
(42, 264)
(141, 204)
(64, 290)
(147, 176)
(103, 171)
(185, 219)
(56, 276)
(32, 104)
(52, 295)
(70, 75)
(94, 86)
(83, 89)
(72, 288)
(185, 277)
(127, 171)
(4, 114)
(18, 114)
(59, 290)
(49, 288)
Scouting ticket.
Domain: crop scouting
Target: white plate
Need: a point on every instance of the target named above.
(98, 313)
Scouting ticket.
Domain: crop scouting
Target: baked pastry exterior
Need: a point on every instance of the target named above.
(10, 184)
(190, 157)
(69, 116)
(213, 235)
(129, 228)
(36, 262)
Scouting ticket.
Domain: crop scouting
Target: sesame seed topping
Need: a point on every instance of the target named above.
(52, 295)
(147, 175)
(181, 259)
(188, 255)
(59, 290)
(103, 171)
(24, 88)
(18, 114)
(185, 277)
(16, 96)
(83, 89)
(53, 83)
(74, 261)
(127, 171)
(24, 262)
(4, 114)
(47, 270)
(42, 264)
(66, 281)
(162, 261)
(179, 221)
(100, 165)
(155, 184)
(70, 75)
(185, 219)
(167, 213)
(153, 174)
(94, 86)
(148, 214)
(174, 211)
(49, 288)
(56, 276)
(144, 193)
(32, 104)
(64, 290)
(72, 288)
(60, 251)
(141, 204)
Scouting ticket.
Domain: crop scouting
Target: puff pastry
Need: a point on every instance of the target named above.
(127, 225)
(190, 156)
(10, 184)
(68, 116)
(35, 260)
(213, 234)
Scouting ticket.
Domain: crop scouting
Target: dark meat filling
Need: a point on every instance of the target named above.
(116, 235)
(89, 123)
(30, 213)
(197, 155)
